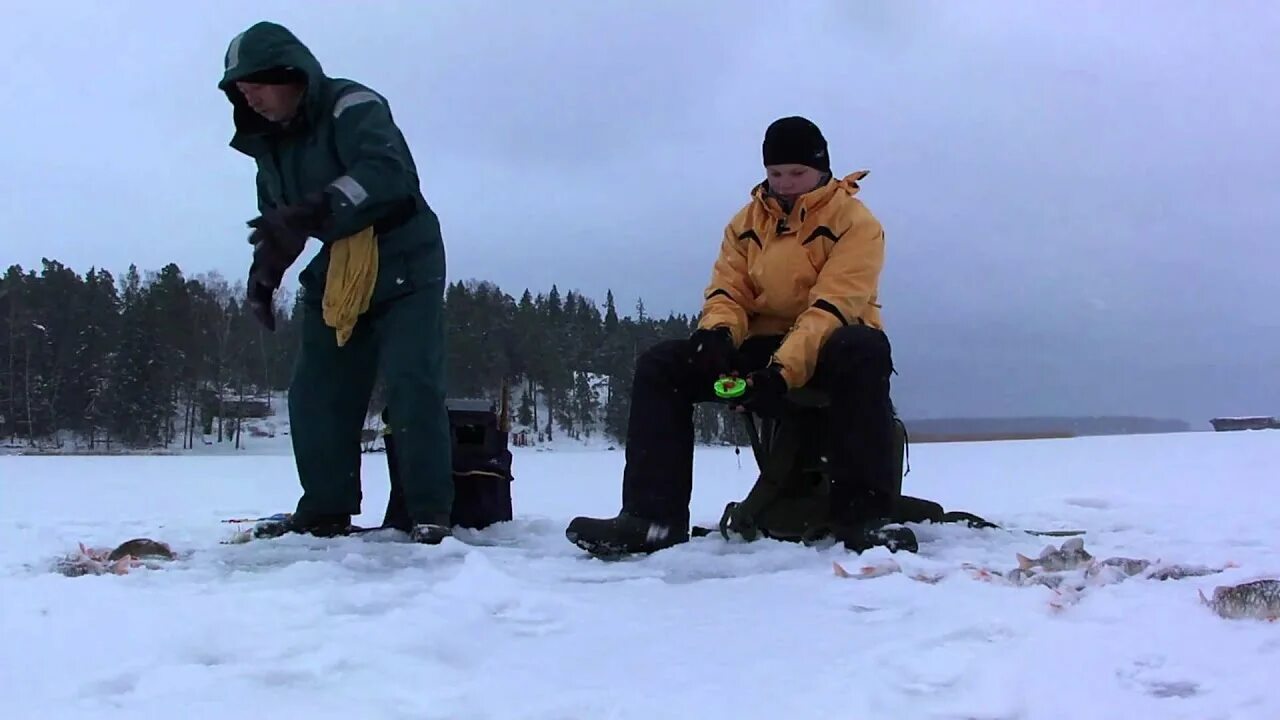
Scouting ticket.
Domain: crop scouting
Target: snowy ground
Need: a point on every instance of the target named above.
(527, 628)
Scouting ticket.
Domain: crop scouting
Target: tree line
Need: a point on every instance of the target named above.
(156, 359)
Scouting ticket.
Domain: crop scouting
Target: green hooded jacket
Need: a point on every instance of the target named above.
(344, 142)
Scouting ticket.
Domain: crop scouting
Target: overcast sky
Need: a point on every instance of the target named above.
(1081, 200)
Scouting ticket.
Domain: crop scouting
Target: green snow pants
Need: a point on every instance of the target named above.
(401, 337)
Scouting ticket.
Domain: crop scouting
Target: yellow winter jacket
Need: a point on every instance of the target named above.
(800, 274)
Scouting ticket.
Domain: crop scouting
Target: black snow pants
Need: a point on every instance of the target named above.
(853, 368)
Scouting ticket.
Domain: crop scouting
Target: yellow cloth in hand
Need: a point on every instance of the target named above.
(348, 288)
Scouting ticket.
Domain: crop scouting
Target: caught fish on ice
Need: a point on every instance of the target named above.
(1069, 556)
(883, 568)
(1254, 600)
(875, 570)
(113, 561)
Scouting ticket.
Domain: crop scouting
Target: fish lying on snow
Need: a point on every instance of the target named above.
(1125, 566)
(1256, 599)
(882, 568)
(1069, 571)
(1069, 556)
(114, 561)
(1071, 562)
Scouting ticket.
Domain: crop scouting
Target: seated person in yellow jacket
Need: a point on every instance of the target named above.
(793, 301)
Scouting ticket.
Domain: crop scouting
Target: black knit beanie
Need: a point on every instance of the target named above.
(796, 140)
(277, 76)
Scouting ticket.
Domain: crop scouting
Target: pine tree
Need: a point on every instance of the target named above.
(150, 361)
(17, 417)
(96, 351)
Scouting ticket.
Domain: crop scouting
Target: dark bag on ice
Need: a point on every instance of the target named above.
(789, 499)
(481, 469)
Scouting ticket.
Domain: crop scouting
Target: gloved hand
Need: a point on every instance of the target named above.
(284, 231)
(279, 236)
(260, 291)
(260, 301)
(713, 351)
(766, 392)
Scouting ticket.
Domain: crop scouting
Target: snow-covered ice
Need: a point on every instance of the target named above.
(514, 622)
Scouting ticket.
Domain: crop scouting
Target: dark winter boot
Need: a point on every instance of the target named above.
(862, 525)
(860, 537)
(319, 525)
(433, 532)
(625, 534)
(863, 537)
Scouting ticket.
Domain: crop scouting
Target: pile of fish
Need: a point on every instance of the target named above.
(114, 561)
(1069, 571)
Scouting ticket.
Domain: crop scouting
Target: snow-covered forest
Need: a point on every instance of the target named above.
(155, 359)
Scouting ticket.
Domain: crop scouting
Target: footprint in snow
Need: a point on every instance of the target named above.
(366, 607)
(1172, 689)
(980, 634)
(1088, 502)
(119, 684)
(1138, 677)
(528, 619)
(210, 658)
(283, 677)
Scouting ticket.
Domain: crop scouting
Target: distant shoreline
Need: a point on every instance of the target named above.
(919, 431)
(997, 428)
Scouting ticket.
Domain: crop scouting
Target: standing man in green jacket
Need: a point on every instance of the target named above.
(331, 165)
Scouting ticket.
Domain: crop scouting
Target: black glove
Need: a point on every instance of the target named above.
(766, 392)
(279, 236)
(713, 351)
(260, 290)
(260, 301)
(284, 231)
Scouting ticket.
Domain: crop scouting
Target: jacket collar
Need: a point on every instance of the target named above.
(809, 202)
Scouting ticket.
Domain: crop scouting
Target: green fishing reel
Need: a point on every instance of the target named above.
(728, 387)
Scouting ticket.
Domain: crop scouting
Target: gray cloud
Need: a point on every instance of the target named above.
(1080, 201)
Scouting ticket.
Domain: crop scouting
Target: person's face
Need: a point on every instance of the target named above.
(276, 103)
(792, 180)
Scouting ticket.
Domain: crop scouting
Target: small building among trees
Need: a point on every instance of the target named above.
(1256, 422)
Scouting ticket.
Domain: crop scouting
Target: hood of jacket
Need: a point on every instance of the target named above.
(264, 46)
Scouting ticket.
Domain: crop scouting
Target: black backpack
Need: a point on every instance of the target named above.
(789, 499)
(790, 496)
(481, 468)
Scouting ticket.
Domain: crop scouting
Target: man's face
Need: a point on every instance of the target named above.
(277, 103)
(792, 180)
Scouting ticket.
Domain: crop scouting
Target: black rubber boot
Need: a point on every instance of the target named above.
(432, 532)
(623, 535)
(319, 525)
(860, 537)
(861, 525)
